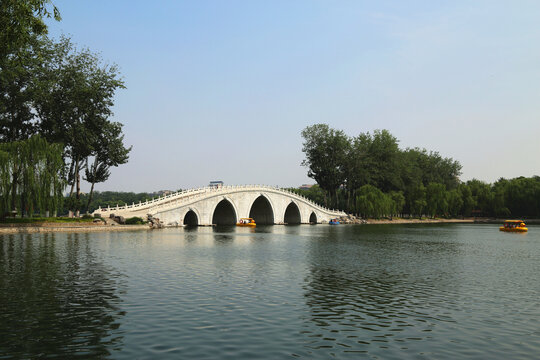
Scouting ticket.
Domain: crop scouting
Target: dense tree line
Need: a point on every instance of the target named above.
(518, 197)
(370, 175)
(64, 95)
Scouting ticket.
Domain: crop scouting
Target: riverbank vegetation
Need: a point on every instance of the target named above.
(371, 176)
(55, 108)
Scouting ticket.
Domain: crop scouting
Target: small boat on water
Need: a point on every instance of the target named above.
(249, 222)
(334, 222)
(514, 226)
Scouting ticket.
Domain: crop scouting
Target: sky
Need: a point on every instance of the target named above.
(221, 90)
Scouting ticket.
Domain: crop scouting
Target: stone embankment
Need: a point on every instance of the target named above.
(154, 222)
(351, 219)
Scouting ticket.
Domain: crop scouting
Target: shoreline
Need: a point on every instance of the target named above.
(65, 227)
(419, 221)
(78, 227)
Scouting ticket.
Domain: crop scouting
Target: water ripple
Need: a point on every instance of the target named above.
(312, 292)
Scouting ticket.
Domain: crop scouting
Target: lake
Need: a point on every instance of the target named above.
(314, 292)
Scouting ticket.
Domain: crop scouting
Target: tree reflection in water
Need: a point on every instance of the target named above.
(58, 299)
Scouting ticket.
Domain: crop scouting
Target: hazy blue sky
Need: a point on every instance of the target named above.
(212, 82)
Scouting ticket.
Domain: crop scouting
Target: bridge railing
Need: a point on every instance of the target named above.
(234, 188)
(161, 201)
(141, 205)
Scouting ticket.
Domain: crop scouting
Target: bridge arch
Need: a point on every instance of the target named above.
(191, 218)
(262, 210)
(224, 213)
(292, 214)
(313, 218)
(241, 201)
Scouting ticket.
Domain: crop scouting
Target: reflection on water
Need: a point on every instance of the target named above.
(57, 298)
(272, 292)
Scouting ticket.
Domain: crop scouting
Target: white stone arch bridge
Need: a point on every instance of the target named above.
(225, 205)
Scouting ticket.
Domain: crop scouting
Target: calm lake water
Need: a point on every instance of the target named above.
(312, 292)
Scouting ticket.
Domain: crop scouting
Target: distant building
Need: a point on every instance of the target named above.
(216, 184)
(305, 187)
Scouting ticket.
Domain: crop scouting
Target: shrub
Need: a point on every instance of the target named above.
(134, 221)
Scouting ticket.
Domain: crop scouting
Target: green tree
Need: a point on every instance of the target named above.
(431, 167)
(325, 150)
(436, 199)
(40, 183)
(17, 85)
(455, 202)
(357, 165)
(398, 202)
(384, 161)
(314, 193)
(108, 151)
(21, 25)
(366, 198)
(416, 198)
(522, 196)
(499, 191)
(372, 202)
(53, 89)
(375, 159)
(469, 202)
(481, 193)
(20, 21)
(74, 102)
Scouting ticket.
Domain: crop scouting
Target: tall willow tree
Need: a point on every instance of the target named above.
(39, 185)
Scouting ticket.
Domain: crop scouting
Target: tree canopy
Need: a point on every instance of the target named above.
(326, 152)
(51, 88)
(337, 161)
(20, 20)
(369, 174)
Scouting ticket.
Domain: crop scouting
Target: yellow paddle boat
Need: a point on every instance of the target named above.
(514, 226)
(246, 222)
